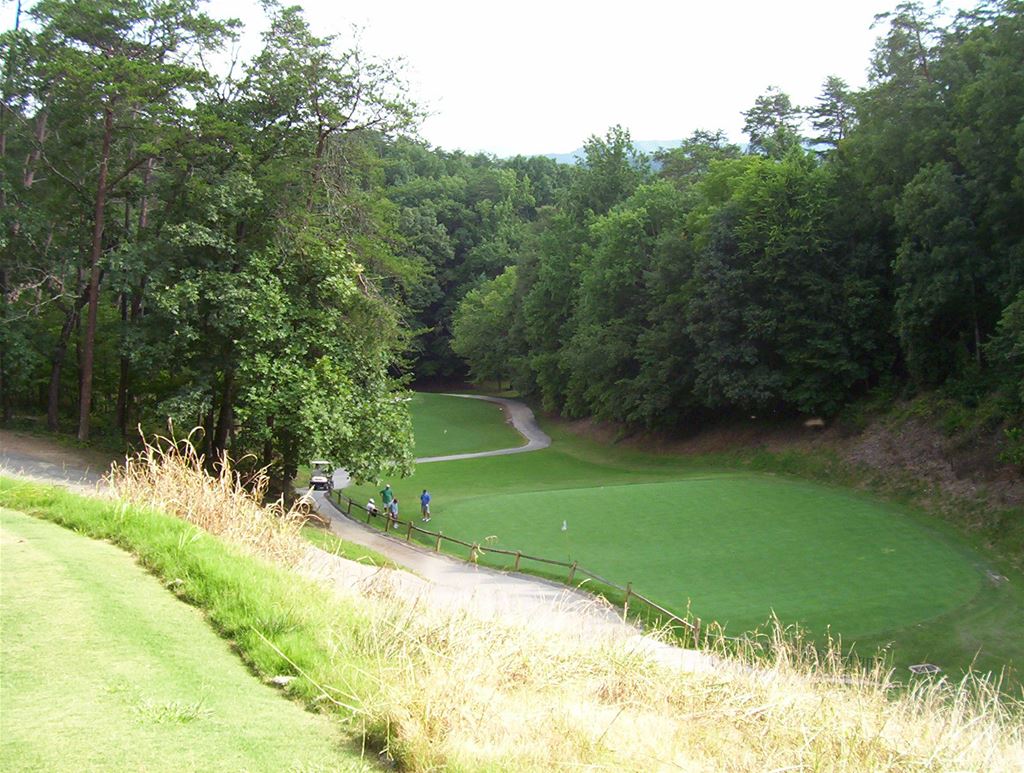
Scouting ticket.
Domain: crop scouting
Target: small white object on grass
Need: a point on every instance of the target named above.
(565, 526)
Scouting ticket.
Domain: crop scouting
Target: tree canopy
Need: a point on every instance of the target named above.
(271, 254)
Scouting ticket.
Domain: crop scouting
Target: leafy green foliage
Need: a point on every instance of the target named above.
(794, 278)
(481, 324)
(244, 280)
(772, 124)
(273, 240)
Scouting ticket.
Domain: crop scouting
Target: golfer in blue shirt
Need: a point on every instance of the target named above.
(425, 504)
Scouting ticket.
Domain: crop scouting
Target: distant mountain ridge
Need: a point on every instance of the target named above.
(644, 146)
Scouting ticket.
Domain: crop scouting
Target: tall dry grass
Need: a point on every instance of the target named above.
(459, 691)
(169, 474)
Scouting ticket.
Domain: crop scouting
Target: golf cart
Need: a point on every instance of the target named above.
(321, 476)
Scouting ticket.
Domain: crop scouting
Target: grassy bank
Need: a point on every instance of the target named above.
(103, 669)
(280, 624)
(448, 690)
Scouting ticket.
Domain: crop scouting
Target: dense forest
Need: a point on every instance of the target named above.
(267, 251)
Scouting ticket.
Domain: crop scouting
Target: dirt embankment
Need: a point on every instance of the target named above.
(964, 468)
(908, 455)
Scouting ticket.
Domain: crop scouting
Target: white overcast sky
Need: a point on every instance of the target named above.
(540, 77)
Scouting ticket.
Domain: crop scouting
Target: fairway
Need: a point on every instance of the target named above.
(104, 669)
(734, 545)
(445, 425)
(738, 548)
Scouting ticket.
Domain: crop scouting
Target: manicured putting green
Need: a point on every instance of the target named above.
(736, 545)
(103, 669)
(739, 547)
(445, 425)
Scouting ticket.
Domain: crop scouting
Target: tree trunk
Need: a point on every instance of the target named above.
(321, 145)
(289, 469)
(268, 445)
(6, 411)
(29, 175)
(122, 381)
(125, 397)
(224, 418)
(208, 440)
(5, 111)
(57, 362)
(85, 398)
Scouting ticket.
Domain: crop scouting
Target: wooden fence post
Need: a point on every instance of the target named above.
(408, 533)
(572, 572)
(437, 543)
(625, 604)
(518, 556)
(369, 515)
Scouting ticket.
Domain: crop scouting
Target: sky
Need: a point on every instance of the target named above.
(537, 77)
(540, 77)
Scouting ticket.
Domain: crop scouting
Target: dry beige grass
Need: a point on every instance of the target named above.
(459, 692)
(169, 475)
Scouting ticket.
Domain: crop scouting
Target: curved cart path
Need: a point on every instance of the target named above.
(450, 582)
(522, 419)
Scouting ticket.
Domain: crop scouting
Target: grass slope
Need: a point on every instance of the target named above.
(444, 425)
(104, 669)
(738, 544)
(440, 689)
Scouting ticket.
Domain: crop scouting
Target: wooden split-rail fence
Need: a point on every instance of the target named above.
(396, 527)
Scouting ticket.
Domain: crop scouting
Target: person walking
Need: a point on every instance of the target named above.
(386, 495)
(393, 510)
(425, 504)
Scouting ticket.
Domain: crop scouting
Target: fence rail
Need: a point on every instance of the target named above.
(476, 550)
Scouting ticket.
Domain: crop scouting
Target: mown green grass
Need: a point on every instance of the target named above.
(104, 669)
(738, 544)
(278, 623)
(738, 548)
(444, 425)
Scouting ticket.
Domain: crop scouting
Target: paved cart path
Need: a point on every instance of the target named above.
(42, 459)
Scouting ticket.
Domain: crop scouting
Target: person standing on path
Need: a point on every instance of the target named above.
(425, 504)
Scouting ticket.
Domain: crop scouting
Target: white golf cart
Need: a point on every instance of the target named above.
(321, 476)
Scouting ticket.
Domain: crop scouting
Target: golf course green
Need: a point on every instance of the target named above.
(731, 545)
(737, 548)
